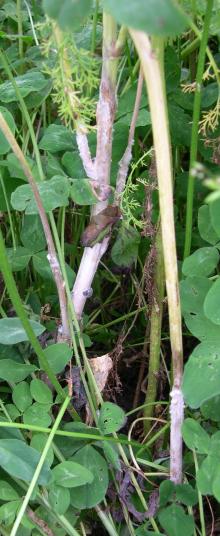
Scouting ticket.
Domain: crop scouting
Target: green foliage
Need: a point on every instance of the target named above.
(32, 234)
(54, 193)
(7, 492)
(59, 498)
(20, 460)
(91, 494)
(40, 392)
(58, 355)
(57, 138)
(195, 437)
(206, 229)
(111, 418)
(30, 82)
(211, 303)
(198, 388)
(21, 396)
(37, 414)
(202, 262)
(175, 522)
(82, 193)
(125, 249)
(18, 258)
(4, 145)
(156, 17)
(12, 331)
(69, 14)
(70, 474)
(56, 60)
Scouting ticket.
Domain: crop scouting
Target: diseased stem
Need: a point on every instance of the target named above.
(40, 523)
(151, 65)
(52, 257)
(195, 128)
(155, 331)
(105, 118)
(127, 156)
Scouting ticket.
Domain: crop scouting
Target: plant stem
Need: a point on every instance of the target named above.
(38, 469)
(201, 509)
(20, 30)
(94, 26)
(52, 257)
(127, 156)
(9, 212)
(195, 128)
(155, 331)
(106, 522)
(191, 47)
(21, 313)
(105, 118)
(151, 64)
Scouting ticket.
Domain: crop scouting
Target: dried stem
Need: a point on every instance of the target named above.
(153, 73)
(52, 256)
(155, 331)
(39, 522)
(127, 156)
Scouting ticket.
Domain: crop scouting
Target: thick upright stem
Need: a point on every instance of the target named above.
(195, 128)
(105, 119)
(151, 65)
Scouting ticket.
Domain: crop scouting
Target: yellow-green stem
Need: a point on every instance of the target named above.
(154, 77)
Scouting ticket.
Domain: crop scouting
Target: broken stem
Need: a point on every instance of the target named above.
(52, 256)
(152, 66)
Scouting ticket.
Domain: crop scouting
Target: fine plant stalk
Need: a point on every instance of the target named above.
(201, 509)
(94, 26)
(195, 128)
(38, 470)
(20, 29)
(9, 212)
(155, 331)
(127, 156)
(154, 77)
(106, 522)
(21, 313)
(52, 257)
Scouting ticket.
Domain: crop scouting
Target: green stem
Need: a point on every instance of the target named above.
(20, 29)
(9, 212)
(150, 55)
(94, 26)
(191, 47)
(155, 332)
(21, 313)
(38, 470)
(63, 433)
(93, 329)
(201, 509)
(195, 128)
(106, 522)
(24, 112)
